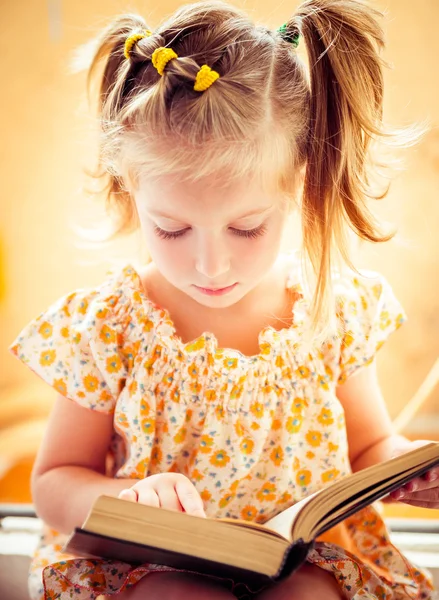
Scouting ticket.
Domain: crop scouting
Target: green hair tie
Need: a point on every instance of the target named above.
(292, 37)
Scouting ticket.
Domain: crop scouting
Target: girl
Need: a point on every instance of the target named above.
(212, 380)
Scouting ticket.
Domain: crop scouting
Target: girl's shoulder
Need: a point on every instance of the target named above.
(85, 343)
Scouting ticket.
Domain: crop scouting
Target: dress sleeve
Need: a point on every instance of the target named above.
(77, 347)
(369, 312)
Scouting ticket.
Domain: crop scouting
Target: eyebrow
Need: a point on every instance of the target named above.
(251, 213)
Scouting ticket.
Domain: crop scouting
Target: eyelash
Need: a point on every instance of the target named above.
(247, 233)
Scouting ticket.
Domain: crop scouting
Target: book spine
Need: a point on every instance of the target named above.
(294, 556)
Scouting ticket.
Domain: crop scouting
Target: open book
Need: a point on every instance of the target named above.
(245, 551)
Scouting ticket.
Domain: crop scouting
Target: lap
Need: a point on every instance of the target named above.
(307, 583)
(176, 586)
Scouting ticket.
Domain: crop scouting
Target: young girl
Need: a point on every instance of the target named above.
(212, 381)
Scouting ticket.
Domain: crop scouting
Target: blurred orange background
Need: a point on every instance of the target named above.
(48, 139)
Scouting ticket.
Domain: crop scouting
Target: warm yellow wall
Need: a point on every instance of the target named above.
(45, 145)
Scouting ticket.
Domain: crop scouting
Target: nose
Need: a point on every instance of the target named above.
(212, 258)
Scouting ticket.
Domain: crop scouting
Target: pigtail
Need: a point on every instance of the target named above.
(108, 83)
(343, 39)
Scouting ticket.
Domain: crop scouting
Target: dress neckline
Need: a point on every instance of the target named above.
(207, 341)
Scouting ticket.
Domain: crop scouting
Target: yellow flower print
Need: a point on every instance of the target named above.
(76, 338)
(247, 445)
(294, 423)
(220, 458)
(148, 325)
(102, 313)
(332, 447)
(265, 348)
(314, 438)
(287, 373)
(47, 358)
(107, 335)
(255, 426)
(60, 386)
(236, 392)
(122, 420)
(310, 455)
(303, 372)
(148, 426)
(130, 353)
(205, 495)
(348, 338)
(225, 500)
(230, 363)
(193, 370)
(298, 405)
(341, 421)
(196, 345)
(276, 424)
(180, 436)
(329, 372)
(248, 513)
(296, 464)
(219, 412)
(267, 389)
(188, 416)
(257, 408)
(239, 429)
(399, 320)
(132, 388)
(286, 497)
(303, 477)
(113, 364)
(168, 379)
(322, 382)
(325, 417)
(279, 362)
(175, 394)
(277, 456)
(363, 302)
(196, 475)
(91, 383)
(80, 394)
(195, 387)
(377, 290)
(82, 308)
(145, 408)
(156, 456)
(65, 332)
(206, 444)
(267, 492)
(210, 395)
(45, 330)
(330, 475)
(385, 320)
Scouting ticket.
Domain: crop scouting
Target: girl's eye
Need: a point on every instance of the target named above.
(251, 233)
(169, 235)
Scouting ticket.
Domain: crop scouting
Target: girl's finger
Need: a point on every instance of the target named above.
(427, 495)
(189, 498)
(149, 497)
(419, 484)
(128, 494)
(168, 498)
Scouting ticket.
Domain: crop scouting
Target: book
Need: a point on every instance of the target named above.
(242, 550)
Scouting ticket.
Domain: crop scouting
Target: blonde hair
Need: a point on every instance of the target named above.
(266, 116)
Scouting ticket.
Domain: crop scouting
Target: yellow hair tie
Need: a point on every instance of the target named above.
(132, 40)
(204, 79)
(161, 57)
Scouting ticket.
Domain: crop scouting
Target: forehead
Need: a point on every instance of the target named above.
(194, 200)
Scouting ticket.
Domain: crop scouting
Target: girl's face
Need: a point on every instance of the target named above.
(215, 244)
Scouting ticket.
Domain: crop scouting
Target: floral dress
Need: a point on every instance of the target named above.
(255, 434)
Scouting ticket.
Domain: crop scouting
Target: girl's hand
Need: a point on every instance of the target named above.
(173, 491)
(422, 491)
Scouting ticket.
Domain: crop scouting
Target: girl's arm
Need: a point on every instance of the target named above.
(369, 429)
(68, 474)
(371, 437)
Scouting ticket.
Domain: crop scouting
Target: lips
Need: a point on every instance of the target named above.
(216, 291)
